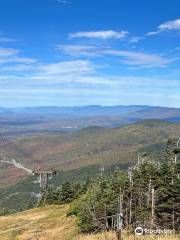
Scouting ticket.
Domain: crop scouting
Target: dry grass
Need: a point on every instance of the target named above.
(51, 223)
(47, 223)
(112, 236)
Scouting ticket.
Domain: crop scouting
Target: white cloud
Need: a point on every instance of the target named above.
(17, 60)
(78, 71)
(99, 34)
(10, 55)
(156, 82)
(43, 81)
(71, 79)
(170, 25)
(167, 26)
(152, 33)
(6, 52)
(135, 39)
(79, 50)
(136, 58)
(140, 58)
(17, 68)
(66, 67)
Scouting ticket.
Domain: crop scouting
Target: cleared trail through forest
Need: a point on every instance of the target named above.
(16, 164)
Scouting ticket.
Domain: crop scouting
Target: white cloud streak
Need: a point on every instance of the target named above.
(17, 60)
(135, 39)
(173, 25)
(44, 81)
(6, 52)
(78, 66)
(10, 55)
(139, 58)
(99, 34)
(74, 72)
(17, 68)
(136, 58)
(80, 50)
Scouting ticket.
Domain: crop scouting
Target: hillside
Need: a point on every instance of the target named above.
(50, 222)
(87, 147)
(23, 195)
(43, 223)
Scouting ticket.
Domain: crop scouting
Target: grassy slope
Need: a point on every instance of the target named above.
(112, 236)
(51, 223)
(38, 224)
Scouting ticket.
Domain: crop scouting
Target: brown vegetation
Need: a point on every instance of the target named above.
(51, 223)
(92, 145)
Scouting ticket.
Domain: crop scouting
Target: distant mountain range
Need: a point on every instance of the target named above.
(37, 120)
(133, 111)
(81, 111)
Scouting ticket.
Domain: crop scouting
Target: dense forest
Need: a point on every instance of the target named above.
(146, 195)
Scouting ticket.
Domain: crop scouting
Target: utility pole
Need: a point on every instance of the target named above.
(173, 212)
(152, 206)
(138, 159)
(149, 191)
(102, 169)
(119, 226)
(130, 209)
(177, 145)
(131, 184)
(130, 175)
(173, 219)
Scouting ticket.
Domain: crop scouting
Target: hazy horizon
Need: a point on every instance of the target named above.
(91, 105)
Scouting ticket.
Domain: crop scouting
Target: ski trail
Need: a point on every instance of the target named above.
(16, 164)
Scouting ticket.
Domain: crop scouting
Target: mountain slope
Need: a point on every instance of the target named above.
(51, 223)
(42, 223)
(156, 113)
(90, 146)
(87, 147)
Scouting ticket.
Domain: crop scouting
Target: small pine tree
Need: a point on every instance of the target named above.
(67, 192)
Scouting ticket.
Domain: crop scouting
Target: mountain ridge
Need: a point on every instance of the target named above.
(90, 146)
(40, 120)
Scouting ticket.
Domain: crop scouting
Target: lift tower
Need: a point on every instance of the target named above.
(44, 177)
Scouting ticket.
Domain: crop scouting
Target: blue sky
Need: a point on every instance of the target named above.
(81, 52)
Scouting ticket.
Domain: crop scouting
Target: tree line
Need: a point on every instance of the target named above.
(148, 194)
